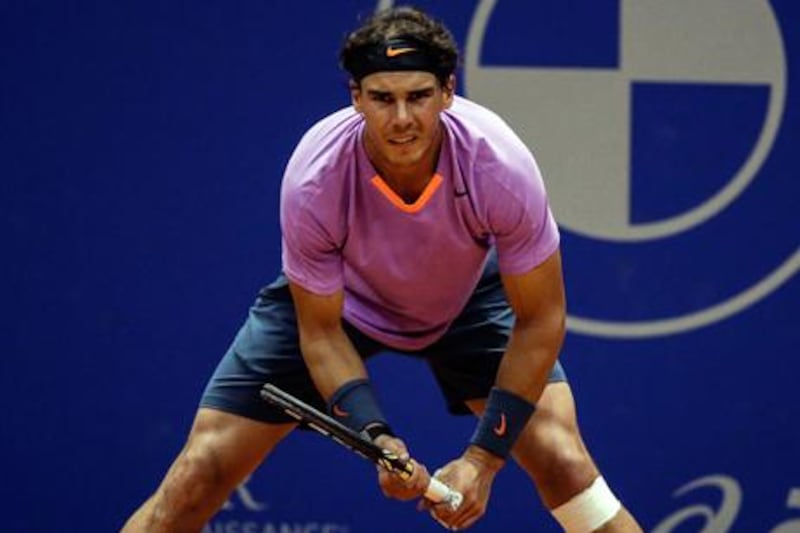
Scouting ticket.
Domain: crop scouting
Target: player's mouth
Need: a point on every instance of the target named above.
(402, 141)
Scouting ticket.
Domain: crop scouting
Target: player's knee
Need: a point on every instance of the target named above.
(197, 480)
(553, 454)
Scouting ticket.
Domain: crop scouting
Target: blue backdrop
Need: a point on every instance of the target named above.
(141, 149)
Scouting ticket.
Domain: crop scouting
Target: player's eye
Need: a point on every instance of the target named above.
(384, 98)
(418, 95)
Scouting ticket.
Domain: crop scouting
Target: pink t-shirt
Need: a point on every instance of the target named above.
(407, 270)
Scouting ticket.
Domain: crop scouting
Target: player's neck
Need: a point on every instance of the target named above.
(407, 181)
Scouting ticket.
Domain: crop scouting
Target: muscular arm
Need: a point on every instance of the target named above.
(330, 356)
(537, 298)
(333, 361)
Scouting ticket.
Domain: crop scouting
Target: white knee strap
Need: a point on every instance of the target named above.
(588, 510)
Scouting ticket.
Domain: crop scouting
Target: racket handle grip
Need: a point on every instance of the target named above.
(439, 492)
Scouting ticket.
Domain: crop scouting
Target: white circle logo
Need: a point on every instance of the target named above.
(578, 120)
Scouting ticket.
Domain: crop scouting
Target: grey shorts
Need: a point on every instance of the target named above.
(266, 349)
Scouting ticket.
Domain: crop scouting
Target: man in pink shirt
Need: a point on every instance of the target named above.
(413, 221)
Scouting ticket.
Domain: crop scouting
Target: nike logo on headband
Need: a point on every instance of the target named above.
(394, 52)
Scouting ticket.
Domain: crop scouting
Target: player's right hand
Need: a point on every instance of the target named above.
(472, 475)
(394, 486)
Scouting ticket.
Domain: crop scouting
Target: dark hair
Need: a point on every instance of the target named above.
(403, 23)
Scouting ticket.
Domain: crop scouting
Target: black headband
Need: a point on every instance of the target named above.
(403, 53)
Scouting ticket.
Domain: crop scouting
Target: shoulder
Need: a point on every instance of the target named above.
(326, 140)
(486, 136)
(472, 115)
(327, 148)
(486, 143)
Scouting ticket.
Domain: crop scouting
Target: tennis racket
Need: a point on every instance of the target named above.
(325, 425)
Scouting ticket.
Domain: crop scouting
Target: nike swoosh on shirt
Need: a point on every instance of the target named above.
(341, 413)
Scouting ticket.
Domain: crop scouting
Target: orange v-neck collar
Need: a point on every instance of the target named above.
(430, 189)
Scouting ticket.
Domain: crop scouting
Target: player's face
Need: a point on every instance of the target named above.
(401, 110)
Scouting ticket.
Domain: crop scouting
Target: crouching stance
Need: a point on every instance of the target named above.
(415, 221)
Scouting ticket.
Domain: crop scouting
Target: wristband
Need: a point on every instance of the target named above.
(503, 420)
(354, 405)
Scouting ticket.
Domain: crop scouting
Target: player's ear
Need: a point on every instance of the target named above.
(449, 91)
(355, 94)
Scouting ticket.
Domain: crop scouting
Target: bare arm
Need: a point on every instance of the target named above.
(538, 301)
(333, 361)
(537, 298)
(330, 356)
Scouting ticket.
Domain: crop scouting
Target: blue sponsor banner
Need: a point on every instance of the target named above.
(141, 150)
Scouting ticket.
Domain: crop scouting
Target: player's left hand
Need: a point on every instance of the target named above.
(392, 485)
(472, 474)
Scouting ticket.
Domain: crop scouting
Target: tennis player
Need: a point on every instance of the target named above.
(414, 221)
